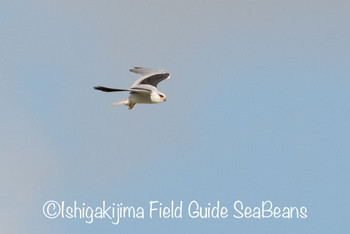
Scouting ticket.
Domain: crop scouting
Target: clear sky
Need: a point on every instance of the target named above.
(257, 109)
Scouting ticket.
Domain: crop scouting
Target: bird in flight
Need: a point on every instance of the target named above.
(144, 90)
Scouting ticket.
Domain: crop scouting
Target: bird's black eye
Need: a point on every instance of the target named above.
(160, 95)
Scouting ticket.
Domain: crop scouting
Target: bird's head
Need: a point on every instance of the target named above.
(162, 97)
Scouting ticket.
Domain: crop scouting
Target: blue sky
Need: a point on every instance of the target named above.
(257, 109)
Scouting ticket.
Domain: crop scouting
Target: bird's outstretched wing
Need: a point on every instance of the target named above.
(149, 76)
(105, 89)
(136, 90)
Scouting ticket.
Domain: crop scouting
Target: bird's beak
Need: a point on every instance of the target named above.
(165, 99)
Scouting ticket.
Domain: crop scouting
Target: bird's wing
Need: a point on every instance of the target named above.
(149, 76)
(143, 71)
(143, 90)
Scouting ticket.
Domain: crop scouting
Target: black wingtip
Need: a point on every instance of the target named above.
(98, 88)
(105, 89)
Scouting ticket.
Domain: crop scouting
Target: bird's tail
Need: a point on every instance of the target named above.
(125, 102)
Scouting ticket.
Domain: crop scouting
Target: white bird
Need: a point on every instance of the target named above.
(144, 90)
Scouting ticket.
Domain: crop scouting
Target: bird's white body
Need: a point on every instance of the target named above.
(140, 98)
(144, 90)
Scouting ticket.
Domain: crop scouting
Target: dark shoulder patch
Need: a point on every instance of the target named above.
(155, 79)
